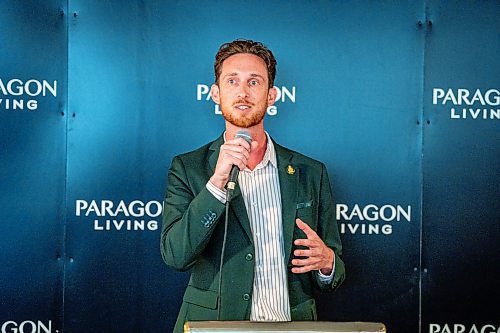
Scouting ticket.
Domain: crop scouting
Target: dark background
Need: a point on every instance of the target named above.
(364, 72)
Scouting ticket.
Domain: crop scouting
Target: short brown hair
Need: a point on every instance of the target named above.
(245, 46)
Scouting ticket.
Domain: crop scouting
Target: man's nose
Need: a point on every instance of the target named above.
(243, 91)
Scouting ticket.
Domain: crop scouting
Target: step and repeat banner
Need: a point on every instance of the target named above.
(400, 100)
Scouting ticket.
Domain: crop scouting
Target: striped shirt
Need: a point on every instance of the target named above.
(260, 189)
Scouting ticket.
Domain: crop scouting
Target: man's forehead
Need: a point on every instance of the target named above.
(245, 59)
(244, 63)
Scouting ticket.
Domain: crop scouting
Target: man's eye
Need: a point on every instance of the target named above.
(254, 82)
(231, 81)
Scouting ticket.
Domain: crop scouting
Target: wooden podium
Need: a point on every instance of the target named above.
(285, 327)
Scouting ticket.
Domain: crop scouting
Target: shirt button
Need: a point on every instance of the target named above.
(246, 297)
(249, 256)
(254, 204)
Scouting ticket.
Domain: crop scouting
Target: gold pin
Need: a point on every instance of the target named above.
(290, 170)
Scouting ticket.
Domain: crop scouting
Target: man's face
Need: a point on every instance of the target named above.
(242, 92)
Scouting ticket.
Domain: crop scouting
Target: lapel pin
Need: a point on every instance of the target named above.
(290, 169)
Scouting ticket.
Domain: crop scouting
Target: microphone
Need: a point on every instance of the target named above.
(233, 175)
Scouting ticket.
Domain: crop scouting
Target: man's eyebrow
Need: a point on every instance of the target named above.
(235, 74)
(257, 75)
(230, 74)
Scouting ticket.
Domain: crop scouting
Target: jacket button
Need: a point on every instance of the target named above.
(249, 256)
(246, 297)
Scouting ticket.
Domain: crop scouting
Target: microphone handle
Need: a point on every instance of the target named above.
(231, 184)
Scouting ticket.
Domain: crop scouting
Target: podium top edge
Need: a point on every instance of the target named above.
(289, 327)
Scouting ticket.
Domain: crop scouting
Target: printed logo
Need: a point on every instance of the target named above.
(19, 95)
(109, 215)
(26, 327)
(371, 219)
(284, 95)
(469, 104)
(460, 328)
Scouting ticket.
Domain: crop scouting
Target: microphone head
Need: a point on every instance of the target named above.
(245, 134)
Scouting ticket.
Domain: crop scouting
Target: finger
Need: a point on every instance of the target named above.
(239, 142)
(239, 161)
(237, 149)
(254, 145)
(236, 155)
(310, 243)
(305, 253)
(303, 269)
(306, 229)
(306, 262)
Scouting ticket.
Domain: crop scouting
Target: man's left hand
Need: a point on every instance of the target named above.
(318, 255)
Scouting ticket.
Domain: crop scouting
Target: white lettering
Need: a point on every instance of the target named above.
(469, 113)
(496, 97)
(272, 110)
(372, 212)
(18, 104)
(12, 328)
(365, 229)
(121, 209)
(202, 89)
(290, 95)
(135, 208)
(129, 225)
(29, 86)
(463, 97)
(461, 328)
(26, 327)
(341, 210)
(477, 97)
(19, 87)
(16, 87)
(458, 328)
(80, 204)
(93, 208)
(450, 96)
(437, 93)
(434, 328)
(489, 326)
(473, 329)
(159, 208)
(140, 208)
(32, 104)
(387, 229)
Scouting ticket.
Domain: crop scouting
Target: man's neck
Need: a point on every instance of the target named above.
(259, 135)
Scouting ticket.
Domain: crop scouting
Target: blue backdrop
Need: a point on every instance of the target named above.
(97, 97)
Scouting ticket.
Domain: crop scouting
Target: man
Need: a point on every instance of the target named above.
(282, 237)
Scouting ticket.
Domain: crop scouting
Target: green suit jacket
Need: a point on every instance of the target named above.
(193, 227)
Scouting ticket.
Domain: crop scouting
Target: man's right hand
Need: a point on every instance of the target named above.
(232, 152)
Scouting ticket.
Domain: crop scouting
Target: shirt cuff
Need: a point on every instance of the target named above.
(217, 192)
(326, 279)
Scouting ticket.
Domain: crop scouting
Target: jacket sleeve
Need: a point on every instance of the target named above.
(189, 217)
(329, 232)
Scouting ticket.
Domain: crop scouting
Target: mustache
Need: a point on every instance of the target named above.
(243, 101)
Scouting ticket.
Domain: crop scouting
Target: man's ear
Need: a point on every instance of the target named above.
(214, 92)
(271, 96)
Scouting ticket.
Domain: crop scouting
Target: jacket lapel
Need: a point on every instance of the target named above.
(289, 179)
(237, 204)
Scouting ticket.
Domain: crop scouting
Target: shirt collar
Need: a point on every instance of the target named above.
(269, 155)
